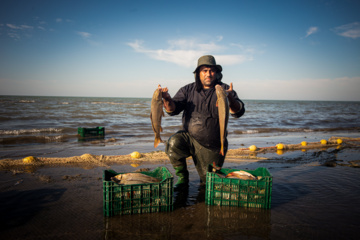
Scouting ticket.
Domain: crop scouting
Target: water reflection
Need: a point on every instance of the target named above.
(191, 219)
(238, 221)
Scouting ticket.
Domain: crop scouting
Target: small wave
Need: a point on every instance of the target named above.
(33, 140)
(284, 130)
(247, 131)
(28, 131)
(117, 103)
(308, 130)
(26, 101)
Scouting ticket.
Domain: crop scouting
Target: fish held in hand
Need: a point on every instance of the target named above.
(241, 175)
(223, 111)
(134, 178)
(156, 114)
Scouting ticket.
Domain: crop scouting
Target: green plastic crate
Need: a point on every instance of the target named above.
(237, 192)
(91, 132)
(138, 198)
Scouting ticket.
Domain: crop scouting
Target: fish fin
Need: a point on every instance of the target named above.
(229, 175)
(157, 141)
(152, 124)
(222, 151)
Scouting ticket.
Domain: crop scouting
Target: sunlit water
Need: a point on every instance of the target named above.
(48, 125)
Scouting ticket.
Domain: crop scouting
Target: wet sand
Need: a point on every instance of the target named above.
(315, 196)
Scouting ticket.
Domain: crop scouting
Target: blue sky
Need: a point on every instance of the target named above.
(283, 50)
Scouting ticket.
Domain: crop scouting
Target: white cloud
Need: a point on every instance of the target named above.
(58, 20)
(84, 35)
(311, 31)
(19, 27)
(341, 89)
(351, 30)
(185, 52)
(14, 35)
(16, 32)
(219, 38)
(87, 37)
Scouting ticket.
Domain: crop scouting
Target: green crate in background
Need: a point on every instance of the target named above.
(237, 192)
(91, 132)
(138, 198)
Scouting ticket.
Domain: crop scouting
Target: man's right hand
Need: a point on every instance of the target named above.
(168, 103)
(164, 92)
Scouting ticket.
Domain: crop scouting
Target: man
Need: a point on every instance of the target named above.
(200, 137)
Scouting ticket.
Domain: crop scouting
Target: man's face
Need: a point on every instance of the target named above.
(207, 76)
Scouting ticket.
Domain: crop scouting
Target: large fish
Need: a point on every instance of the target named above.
(156, 114)
(223, 111)
(134, 178)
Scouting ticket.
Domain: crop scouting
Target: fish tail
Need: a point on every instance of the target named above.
(157, 141)
(222, 150)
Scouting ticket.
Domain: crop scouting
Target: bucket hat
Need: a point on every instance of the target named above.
(207, 60)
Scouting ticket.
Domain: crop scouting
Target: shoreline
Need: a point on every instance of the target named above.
(160, 156)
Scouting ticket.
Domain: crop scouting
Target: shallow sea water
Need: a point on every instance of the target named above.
(309, 201)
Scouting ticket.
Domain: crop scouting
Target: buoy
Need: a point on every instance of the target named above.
(303, 143)
(252, 148)
(135, 155)
(29, 159)
(323, 141)
(280, 146)
(339, 141)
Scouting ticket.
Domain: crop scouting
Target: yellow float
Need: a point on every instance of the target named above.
(252, 148)
(280, 146)
(323, 141)
(30, 159)
(135, 155)
(339, 141)
(303, 143)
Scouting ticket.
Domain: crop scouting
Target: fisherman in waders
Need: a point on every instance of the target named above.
(200, 136)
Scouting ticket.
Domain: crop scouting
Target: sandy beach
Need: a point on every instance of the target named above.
(314, 196)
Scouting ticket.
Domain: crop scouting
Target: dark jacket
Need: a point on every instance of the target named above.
(200, 117)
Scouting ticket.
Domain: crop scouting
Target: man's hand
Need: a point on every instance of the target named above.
(230, 88)
(168, 103)
(233, 104)
(164, 92)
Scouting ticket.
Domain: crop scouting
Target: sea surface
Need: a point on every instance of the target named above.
(309, 200)
(48, 126)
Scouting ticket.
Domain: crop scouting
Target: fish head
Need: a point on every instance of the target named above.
(219, 90)
(157, 95)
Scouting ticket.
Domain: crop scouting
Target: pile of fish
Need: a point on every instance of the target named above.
(239, 175)
(134, 178)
